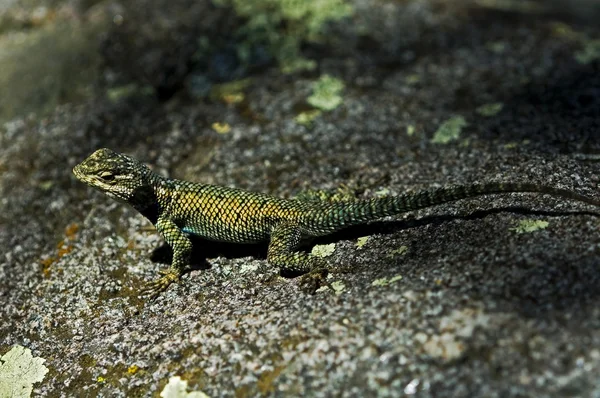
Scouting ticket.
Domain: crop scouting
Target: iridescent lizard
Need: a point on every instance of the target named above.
(181, 208)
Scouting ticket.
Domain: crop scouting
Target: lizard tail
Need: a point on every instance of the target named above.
(333, 216)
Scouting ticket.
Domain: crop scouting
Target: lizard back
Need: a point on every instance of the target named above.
(226, 214)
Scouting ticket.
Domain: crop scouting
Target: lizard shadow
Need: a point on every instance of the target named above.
(203, 249)
(534, 288)
(390, 227)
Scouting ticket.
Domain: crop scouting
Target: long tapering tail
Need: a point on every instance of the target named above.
(330, 217)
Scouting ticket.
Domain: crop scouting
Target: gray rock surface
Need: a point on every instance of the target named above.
(475, 307)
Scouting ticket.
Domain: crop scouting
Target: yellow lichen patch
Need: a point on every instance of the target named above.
(46, 263)
(62, 248)
(514, 144)
(561, 29)
(133, 369)
(221, 128)
(235, 98)
(230, 92)
(306, 118)
(71, 230)
(46, 185)
(413, 78)
(114, 94)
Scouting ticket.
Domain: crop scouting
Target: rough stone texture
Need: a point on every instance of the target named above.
(480, 310)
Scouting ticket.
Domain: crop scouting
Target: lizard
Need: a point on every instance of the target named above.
(180, 208)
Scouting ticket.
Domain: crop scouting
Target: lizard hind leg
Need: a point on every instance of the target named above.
(285, 238)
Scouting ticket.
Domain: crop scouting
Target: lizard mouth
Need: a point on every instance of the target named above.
(77, 171)
(81, 175)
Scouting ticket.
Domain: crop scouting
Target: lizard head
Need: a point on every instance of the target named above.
(119, 176)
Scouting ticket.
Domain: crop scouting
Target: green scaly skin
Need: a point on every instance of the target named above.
(182, 208)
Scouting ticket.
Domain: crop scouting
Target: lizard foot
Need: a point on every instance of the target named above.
(313, 280)
(157, 286)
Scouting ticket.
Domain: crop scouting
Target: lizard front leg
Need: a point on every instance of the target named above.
(281, 253)
(182, 249)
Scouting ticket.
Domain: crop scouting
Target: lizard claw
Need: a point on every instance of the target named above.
(154, 288)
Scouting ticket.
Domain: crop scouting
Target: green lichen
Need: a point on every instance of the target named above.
(383, 192)
(398, 252)
(306, 118)
(527, 226)
(283, 25)
(326, 93)
(491, 109)
(497, 47)
(323, 250)
(514, 144)
(590, 51)
(449, 130)
(386, 281)
(114, 94)
(19, 370)
(338, 287)
(413, 79)
(590, 48)
(362, 241)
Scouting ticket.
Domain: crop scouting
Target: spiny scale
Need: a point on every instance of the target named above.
(178, 208)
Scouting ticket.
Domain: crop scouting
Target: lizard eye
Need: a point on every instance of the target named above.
(107, 176)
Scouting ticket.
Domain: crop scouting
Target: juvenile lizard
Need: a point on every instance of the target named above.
(180, 208)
